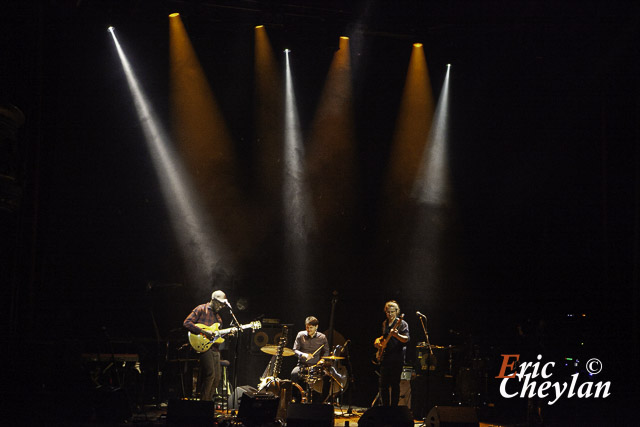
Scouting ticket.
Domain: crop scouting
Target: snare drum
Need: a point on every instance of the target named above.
(311, 374)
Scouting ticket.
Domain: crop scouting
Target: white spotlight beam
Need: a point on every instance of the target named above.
(298, 213)
(431, 187)
(188, 222)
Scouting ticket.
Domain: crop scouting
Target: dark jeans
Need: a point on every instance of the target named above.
(390, 373)
(210, 373)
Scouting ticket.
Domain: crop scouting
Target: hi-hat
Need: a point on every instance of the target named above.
(273, 349)
(333, 357)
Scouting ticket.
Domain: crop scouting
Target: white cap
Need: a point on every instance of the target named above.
(219, 296)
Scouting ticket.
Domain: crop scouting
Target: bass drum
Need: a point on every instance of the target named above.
(338, 377)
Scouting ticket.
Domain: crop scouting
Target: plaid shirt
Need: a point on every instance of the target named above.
(201, 314)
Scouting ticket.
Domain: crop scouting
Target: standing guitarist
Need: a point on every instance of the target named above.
(208, 314)
(390, 354)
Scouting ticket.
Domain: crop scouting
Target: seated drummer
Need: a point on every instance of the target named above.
(310, 346)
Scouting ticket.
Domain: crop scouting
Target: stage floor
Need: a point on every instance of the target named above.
(343, 417)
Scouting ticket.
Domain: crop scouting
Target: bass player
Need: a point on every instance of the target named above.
(390, 354)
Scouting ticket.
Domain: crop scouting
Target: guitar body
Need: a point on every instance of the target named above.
(201, 343)
(385, 341)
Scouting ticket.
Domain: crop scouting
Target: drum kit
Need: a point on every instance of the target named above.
(329, 368)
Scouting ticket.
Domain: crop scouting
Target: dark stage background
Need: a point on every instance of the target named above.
(542, 226)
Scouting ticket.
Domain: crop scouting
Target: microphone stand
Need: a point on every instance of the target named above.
(235, 357)
(118, 383)
(423, 322)
(334, 301)
(351, 378)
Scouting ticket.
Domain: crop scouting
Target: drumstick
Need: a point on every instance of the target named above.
(314, 353)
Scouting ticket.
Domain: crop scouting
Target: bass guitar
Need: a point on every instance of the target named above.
(201, 343)
(385, 341)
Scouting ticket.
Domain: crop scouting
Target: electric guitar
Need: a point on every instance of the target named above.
(385, 341)
(201, 343)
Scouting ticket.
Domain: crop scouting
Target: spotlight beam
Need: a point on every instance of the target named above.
(298, 212)
(187, 221)
(431, 187)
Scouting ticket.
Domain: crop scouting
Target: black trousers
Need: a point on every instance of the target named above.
(390, 372)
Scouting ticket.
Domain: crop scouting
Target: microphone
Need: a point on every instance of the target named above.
(420, 314)
(224, 301)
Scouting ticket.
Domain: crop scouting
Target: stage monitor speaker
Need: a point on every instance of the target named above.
(190, 412)
(386, 416)
(112, 404)
(452, 416)
(309, 415)
(235, 398)
(428, 391)
(258, 408)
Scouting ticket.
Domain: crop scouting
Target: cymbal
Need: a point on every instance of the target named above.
(333, 357)
(273, 349)
(434, 346)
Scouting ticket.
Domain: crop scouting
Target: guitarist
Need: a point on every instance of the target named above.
(391, 347)
(210, 369)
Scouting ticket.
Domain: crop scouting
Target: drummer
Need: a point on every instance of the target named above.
(310, 347)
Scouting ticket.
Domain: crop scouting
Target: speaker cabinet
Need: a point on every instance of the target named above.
(235, 398)
(267, 335)
(387, 416)
(428, 391)
(309, 415)
(258, 408)
(190, 412)
(112, 404)
(452, 416)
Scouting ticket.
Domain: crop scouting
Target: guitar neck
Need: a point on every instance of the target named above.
(233, 328)
(253, 325)
(386, 340)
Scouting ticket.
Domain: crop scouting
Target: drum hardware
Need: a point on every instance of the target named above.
(329, 369)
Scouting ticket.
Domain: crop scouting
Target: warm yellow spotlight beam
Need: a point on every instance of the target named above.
(269, 115)
(200, 131)
(331, 153)
(198, 125)
(412, 127)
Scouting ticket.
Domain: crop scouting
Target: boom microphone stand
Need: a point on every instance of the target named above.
(235, 355)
